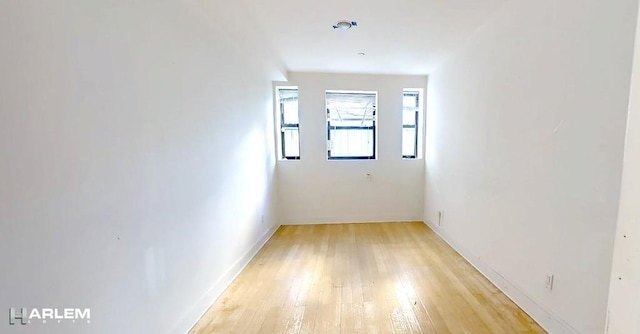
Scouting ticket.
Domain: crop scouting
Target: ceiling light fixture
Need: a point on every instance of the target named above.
(361, 53)
(344, 25)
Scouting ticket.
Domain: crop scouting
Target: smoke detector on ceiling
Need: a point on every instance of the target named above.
(344, 25)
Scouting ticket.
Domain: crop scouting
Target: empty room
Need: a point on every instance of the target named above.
(281, 166)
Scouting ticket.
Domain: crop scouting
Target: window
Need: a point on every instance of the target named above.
(410, 120)
(351, 125)
(289, 123)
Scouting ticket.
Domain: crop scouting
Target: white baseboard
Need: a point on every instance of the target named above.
(214, 292)
(355, 221)
(547, 319)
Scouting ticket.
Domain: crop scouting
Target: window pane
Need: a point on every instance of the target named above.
(290, 112)
(409, 142)
(291, 142)
(409, 117)
(410, 100)
(342, 117)
(351, 143)
(289, 105)
(289, 121)
(410, 123)
(351, 109)
(351, 119)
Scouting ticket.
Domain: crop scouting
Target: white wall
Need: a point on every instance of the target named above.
(135, 159)
(525, 132)
(315, 190)
(624, 292)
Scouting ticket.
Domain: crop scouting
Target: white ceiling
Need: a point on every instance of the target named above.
(398, 36)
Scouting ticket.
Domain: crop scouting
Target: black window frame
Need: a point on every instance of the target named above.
(288, 126)
(372, 128)
(417, 94)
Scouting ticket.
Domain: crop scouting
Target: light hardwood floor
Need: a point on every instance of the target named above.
(362, 278)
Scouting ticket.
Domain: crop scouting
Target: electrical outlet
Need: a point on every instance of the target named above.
(549, 282)
(440, 217)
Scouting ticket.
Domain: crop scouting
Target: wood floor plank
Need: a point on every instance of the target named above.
(362, 278)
